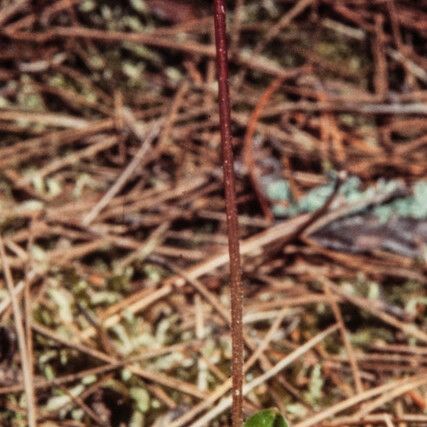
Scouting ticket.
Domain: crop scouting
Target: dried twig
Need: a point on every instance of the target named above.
(248, 151)
(19, 326)
(128, 171)
(408, 383)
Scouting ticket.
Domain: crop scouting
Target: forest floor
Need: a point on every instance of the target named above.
(114, 296)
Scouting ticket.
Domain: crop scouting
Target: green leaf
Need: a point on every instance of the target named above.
(266, 418)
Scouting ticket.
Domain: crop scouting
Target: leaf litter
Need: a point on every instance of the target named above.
(116, 331)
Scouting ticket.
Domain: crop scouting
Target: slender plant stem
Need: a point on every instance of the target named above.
(231, 211)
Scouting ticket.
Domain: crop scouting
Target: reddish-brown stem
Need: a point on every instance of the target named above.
(231, 210)
(248, 151)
